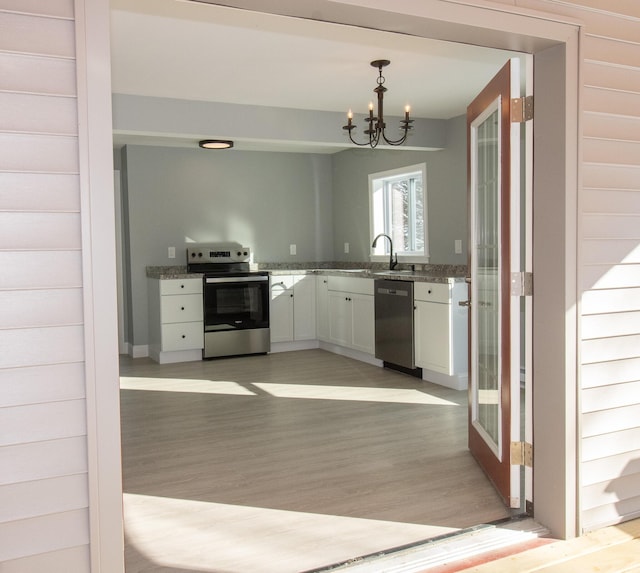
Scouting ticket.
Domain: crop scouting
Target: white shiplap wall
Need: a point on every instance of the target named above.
(610, 263)
(609, 256)
(44, 519)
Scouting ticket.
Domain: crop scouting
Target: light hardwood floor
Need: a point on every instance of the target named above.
(288, 462)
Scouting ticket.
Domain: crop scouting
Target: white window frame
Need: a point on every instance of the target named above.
(377, 224)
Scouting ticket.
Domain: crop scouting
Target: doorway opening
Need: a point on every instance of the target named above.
(178, 501)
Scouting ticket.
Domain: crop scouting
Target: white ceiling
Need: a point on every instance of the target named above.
(194, 51)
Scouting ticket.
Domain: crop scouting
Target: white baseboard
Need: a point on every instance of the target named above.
(350, 353)
(177, 356)
(457, 381)
(294, 345)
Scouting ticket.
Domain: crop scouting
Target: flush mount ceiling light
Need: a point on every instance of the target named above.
(376, 129)
(215, 144)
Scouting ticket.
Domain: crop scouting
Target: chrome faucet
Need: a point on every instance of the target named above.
(392, 261)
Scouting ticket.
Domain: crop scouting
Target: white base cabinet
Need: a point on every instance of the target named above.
(292, 314)
(351, 313)
(176, 329)
(441, 333)
(322, 308)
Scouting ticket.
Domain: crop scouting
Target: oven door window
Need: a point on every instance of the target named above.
(236, 306)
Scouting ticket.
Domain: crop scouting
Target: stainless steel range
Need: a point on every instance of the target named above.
(236, 300)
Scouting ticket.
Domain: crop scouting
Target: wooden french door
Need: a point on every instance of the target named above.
(493, 147)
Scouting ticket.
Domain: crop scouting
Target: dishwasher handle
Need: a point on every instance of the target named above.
(392, 292)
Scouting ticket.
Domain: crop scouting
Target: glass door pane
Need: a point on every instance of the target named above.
(486, 287)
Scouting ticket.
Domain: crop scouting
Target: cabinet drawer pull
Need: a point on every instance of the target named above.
(184, 336)
(464, 303)
(181, 286)
(182, 308)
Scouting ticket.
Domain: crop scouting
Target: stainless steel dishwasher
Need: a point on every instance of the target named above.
(394, 324)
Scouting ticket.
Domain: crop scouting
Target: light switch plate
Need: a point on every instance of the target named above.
(458, 246)
(171, 253)
(346, 247)
(292, 249)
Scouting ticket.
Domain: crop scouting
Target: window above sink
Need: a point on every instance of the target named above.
(398, 208)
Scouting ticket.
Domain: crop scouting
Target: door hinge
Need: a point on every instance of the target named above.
(528, 507)
(521, 284)
(521, 109)
(521, 454)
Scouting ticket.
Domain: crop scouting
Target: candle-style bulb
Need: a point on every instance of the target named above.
(349, 114)
(370, 106)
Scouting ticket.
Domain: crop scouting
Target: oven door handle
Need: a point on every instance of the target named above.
(214, 280)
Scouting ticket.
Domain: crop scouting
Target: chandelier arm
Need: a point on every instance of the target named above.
(396, 141)
(366, 144)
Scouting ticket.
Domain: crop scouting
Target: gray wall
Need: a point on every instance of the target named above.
(446, 195)
(263, 200)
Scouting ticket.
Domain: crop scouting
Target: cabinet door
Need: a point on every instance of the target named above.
(322, 308)
(304, 307)
(363, 323)
(281, 313)
(339, 318)
(432, 336)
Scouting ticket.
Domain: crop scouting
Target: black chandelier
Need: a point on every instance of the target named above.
(376, 129)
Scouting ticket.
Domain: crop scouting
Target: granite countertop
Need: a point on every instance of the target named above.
(424, 273)
(175, 272)
(429, 276)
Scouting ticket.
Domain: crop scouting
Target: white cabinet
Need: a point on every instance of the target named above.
(340, 318)
(351, 313)
(304, 307)
(293, 308)
(363, 335)
(441, 333)
(281, 309)
(176, 330)
(322, 307)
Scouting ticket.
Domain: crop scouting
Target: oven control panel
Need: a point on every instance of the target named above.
(218, 253)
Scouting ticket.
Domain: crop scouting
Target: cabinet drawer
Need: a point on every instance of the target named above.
(185, 308)
(351, 284)
(182, 336)
(180, 286)
(432, 292)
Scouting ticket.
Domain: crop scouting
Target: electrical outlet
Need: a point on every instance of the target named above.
(171, 252)
(458, 246)
(292, 249)
(346, 247)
